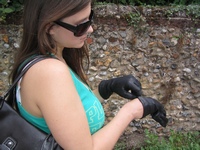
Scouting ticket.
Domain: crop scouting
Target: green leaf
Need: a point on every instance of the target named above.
(8, 10)
(3, 2)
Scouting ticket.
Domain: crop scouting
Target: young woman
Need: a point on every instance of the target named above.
(54, 96)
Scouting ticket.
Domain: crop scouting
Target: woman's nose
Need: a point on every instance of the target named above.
(90, 30)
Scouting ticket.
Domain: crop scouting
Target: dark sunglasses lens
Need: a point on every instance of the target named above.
(82, 28)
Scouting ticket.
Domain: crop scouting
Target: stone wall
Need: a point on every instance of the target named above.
(163, 53)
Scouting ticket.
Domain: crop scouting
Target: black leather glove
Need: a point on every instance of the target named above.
(153, 107)
(127, 86)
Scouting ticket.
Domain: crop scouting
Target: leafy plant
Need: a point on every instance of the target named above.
(135, 19)
(8, 7)
(151, 2)
(13, 6)
(191, 11)
(120, 146)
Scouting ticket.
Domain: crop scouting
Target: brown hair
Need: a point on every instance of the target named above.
(38, 15)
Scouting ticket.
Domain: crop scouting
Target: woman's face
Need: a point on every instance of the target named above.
(65, 37)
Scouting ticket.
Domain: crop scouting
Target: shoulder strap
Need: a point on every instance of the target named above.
(24, 70)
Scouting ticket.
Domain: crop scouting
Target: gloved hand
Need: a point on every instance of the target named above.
(127, 86)
(153, 107)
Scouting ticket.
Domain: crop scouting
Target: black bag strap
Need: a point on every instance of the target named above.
(24, 70)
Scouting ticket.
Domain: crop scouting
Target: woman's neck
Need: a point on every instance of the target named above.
(58, 54)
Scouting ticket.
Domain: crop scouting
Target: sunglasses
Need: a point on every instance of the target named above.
(78, 30)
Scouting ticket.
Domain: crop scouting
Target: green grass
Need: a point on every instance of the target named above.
(175, 141)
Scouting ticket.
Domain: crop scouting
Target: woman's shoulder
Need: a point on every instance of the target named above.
(50, 63)
(49, 67)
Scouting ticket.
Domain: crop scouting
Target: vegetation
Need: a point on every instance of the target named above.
(191, 11)
(151, 2)
(176, 141)
(8, 7)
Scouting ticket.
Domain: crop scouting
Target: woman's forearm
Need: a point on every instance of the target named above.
(107, 137)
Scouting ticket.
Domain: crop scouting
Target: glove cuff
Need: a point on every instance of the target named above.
(144, 104)
(103, 90)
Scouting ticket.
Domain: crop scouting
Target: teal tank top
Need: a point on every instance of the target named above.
(92, 106)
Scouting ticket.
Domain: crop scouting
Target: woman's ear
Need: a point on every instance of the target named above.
(49, 28)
